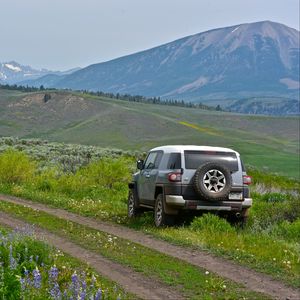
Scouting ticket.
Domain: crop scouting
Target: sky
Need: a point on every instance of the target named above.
(63, 34)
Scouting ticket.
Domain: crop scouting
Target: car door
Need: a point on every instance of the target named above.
(148, 176)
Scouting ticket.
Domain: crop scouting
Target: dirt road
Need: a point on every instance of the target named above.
(132, 282)
(250, 279)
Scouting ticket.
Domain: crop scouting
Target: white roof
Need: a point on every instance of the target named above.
(181, 148)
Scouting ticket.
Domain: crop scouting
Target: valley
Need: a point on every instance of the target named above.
(266, 142)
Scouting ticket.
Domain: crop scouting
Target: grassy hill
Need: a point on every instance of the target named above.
(270, 143)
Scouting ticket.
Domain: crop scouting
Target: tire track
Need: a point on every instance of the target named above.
(250, 279)
(132, 282)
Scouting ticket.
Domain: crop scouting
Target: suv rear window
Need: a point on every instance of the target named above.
(194, 159)
(174, 161)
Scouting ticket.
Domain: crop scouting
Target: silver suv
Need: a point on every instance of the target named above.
(190, 178)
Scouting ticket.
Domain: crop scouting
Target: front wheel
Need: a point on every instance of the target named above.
(160, 217)
(132, 207)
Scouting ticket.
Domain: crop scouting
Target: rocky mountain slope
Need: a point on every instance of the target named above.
(247, 60)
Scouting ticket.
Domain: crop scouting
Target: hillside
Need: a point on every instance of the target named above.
(266, 142)
(242, 61)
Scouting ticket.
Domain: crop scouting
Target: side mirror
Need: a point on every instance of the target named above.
(140, 164)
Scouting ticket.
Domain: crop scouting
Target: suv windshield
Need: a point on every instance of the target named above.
(194, 159)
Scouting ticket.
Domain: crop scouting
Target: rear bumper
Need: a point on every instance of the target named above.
(180, 203)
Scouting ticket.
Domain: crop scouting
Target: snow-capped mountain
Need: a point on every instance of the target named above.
(13, 72)
(246, 60)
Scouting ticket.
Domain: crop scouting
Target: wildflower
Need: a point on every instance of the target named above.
(12, 261)
(23, 283)
(37, 278)
(75, 285)
(98, 295)
(53, 273)
(55, 291)
(224, 286)
(206, 272)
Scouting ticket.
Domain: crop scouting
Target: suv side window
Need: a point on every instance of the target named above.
(153, 160)
(174, 161)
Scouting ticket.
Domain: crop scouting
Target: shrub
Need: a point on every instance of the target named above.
(15, 167)
(47, 180)
(268, 211)
(288, 230)
(211, 223)
(107, 172)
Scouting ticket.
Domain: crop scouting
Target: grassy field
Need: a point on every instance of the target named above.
(191, 281)
(269, 143)
(99, 189)
(31, 269)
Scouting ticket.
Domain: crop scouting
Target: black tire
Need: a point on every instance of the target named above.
(161, 219)
(212, 181)
(133, 209)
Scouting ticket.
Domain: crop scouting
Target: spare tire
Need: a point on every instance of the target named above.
(212, 181)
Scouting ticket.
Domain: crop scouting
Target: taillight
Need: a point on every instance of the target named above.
(247, 179)
(174, 177)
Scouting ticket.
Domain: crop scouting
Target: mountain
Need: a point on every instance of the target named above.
(248, 60)
(13, 72)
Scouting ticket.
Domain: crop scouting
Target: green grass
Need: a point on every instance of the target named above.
(265, 142)
(192, 281)
(260, 251)
(20, 252)
(100, 190)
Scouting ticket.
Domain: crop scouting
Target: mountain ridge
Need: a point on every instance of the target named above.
(12, 72)
(258, 59)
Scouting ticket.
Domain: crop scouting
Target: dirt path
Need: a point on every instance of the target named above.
(132, 282)
(250, 279)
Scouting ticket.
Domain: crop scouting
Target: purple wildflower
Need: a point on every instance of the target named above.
(53, 273)
(12, 261)
(75, 285)
(82, 295)
(55, 291)
(23, 283)
(98, 295)
(37, 278)
(27, 281)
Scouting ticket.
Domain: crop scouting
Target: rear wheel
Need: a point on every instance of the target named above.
(160, 217)
(133, 210)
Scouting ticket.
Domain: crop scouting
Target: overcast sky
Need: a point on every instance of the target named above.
(62, 34)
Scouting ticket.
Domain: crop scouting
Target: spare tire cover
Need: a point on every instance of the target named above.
(212, 181)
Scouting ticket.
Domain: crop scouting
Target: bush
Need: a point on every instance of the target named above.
(268, 211)
(16, 167)
(211, 223)
(107, 172)
(288, 230)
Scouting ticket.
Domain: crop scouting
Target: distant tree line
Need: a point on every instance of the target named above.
(117, 96)
(151, 100)
(22, 88)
